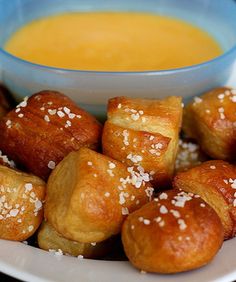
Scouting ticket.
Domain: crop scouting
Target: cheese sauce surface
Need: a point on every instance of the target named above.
(112, 41)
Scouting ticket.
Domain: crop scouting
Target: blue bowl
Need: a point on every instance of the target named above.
(94, 88)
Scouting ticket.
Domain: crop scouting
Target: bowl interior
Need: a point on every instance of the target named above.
(216, 17)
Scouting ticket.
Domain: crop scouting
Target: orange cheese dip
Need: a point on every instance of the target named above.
(112, 41)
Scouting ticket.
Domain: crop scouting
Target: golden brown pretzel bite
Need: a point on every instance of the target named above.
(215, 182)
(211, 120)
(50, 239)
(144, 132)
(21, 201)
(89, 195)
(176, 232)
(43, 129)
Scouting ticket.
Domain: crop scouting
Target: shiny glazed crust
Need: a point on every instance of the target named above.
(211, 120)
(215, 182)
(21, 201)
(144, 132)
(50, 239)
(89, 195)
(176, 232)
(43, 129)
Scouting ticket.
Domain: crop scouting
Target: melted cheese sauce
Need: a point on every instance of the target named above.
(112, 41)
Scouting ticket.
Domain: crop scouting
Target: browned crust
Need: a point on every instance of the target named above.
(142, 144)
(22, 197)
(159, 120)
(181, 239)
(50, 239)
(212, 122)
(211, 180)
(33, 134)
(89, 195)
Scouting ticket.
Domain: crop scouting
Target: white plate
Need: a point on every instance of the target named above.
(32, 264)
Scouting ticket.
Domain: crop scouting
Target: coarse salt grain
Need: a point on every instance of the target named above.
(30, 228)
(163, 209)
(14, 212)
(60, 114)
(182, 224)
(110, 172)
(8, 123)
(233, 185)
(163, 196)
(66, 110)
(51, 164)
(146, 221)
(107, 194)
(71, 115)
(28, 186)
(162, 223)
(52, 112)
(197, 100)
(38, 204)
(221, 96)
(124, 211)
(175, 213)
(111, 165)
(46, 118)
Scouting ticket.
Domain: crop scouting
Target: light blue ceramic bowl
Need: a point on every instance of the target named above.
(94, 88)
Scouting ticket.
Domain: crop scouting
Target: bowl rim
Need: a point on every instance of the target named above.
(217, 59)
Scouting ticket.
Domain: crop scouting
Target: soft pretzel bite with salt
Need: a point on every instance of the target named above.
(89, 195)
(21, 202)
(43, 129)
(211, 120)
(176, 232)
(49, 239)
(215, 182)
(144, 132)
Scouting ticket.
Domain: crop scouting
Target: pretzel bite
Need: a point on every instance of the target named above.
(89, 195)
(189, 155)
(49, 239)
(21, 197)
(43, 129)
(144, 133)
(176, 232)
(215, 182)
(211, 120)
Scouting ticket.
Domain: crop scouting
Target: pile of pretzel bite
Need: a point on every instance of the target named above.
(79, 185)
